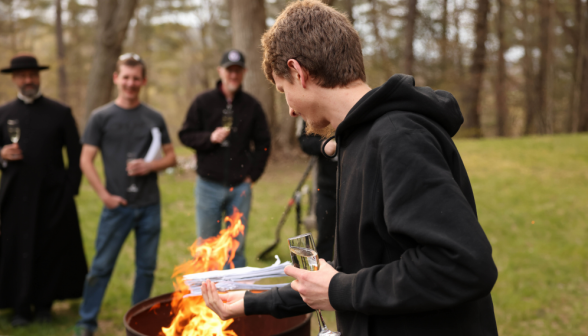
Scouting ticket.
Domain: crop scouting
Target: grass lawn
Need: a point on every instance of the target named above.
(532, 198)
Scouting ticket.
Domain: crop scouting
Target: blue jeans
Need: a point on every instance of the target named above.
(212, 199)
(115, 225)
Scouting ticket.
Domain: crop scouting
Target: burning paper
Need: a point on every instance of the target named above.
(191, 316)
(237, 279)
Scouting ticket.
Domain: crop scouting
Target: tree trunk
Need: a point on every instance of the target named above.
(349, 10)
(501, 103)
(473, 126)
(443, 40)
(583, 106)
(62, 77)
(545, 119)
(530, 106)
(409, 37)
(379, 43)
(458, 55)
(579, 52)
(248, 24)
(12, 18)
(113, 21)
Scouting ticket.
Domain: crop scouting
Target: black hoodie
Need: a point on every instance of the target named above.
(412, 257)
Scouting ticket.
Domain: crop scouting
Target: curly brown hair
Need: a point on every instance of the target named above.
(320, 38)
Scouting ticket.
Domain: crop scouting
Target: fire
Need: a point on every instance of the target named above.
(192, 317)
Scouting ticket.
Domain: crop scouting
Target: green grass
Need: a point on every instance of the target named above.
(532, 197)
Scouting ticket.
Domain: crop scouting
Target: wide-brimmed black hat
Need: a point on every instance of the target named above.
(23, 62)
(233, 57)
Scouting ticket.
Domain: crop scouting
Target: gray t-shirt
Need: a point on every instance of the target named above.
(119, 132)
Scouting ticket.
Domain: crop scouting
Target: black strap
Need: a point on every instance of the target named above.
(323, 148)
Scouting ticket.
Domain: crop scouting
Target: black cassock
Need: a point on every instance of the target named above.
(41, 253)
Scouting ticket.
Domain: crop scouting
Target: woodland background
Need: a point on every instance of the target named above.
(517, 67)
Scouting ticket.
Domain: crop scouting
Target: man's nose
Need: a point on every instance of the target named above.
(292, 112)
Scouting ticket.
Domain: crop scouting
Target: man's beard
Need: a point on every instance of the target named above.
(29, 90)
(232, 88)
(325, 132)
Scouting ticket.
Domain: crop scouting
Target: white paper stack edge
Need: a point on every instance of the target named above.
(237, 278)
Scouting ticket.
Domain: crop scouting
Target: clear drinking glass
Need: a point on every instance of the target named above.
(133, 187)
(13, 130)
(227, 122)
(304, 256)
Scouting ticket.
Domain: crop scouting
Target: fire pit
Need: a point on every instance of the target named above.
(148, 317)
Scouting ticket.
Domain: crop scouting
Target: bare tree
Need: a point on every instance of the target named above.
(530, 106)
(348, 6)
(577, 33)
(380, 45)
(500, 90)
(62, 77)
(443, 39)
(473, 124)
(457, 48)
(545, 117)
(248, 25)
(583, 106)
(113, 20)
(409, 36)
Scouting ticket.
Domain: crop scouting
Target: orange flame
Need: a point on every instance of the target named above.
(192, 317)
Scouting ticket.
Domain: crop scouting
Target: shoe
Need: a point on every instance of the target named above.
(81, 331)
(43, 316)
(19, 321)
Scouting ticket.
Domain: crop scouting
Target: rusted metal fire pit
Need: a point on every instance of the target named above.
(141, 320)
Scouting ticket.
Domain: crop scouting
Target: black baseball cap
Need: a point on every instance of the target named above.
(233, 57)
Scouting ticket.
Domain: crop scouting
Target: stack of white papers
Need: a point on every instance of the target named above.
(237, 278)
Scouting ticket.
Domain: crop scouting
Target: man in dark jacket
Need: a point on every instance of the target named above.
(220, 125)
(411, 257)
(41, 253)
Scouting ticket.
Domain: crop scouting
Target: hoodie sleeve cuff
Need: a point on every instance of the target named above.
(257, 304)
(341, 291)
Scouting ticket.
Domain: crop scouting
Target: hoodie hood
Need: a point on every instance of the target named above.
(400, 94)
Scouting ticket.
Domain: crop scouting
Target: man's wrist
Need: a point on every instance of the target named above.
(104, 195)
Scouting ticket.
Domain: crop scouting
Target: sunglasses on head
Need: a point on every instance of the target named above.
(129, 55)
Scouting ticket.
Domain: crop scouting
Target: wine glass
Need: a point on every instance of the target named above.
(13, 130)
(227, 122)
(133, 187)
(228, 117)
(304, 256)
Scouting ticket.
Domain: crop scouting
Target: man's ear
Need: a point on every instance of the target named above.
(298, 72)
(114, 77)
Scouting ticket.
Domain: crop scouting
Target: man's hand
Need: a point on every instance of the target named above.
(113, 201)
(331, 147)
(219, 134)
(11, 152)
(226, 306)
(313, 286)
(138, 168)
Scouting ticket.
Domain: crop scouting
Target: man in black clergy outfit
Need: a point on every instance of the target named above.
(41, 253)
(410, 255)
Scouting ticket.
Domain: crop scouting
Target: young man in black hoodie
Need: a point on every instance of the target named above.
(410, 256)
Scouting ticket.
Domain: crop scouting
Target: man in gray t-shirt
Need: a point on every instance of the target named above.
(121, 134)
(128, 134)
